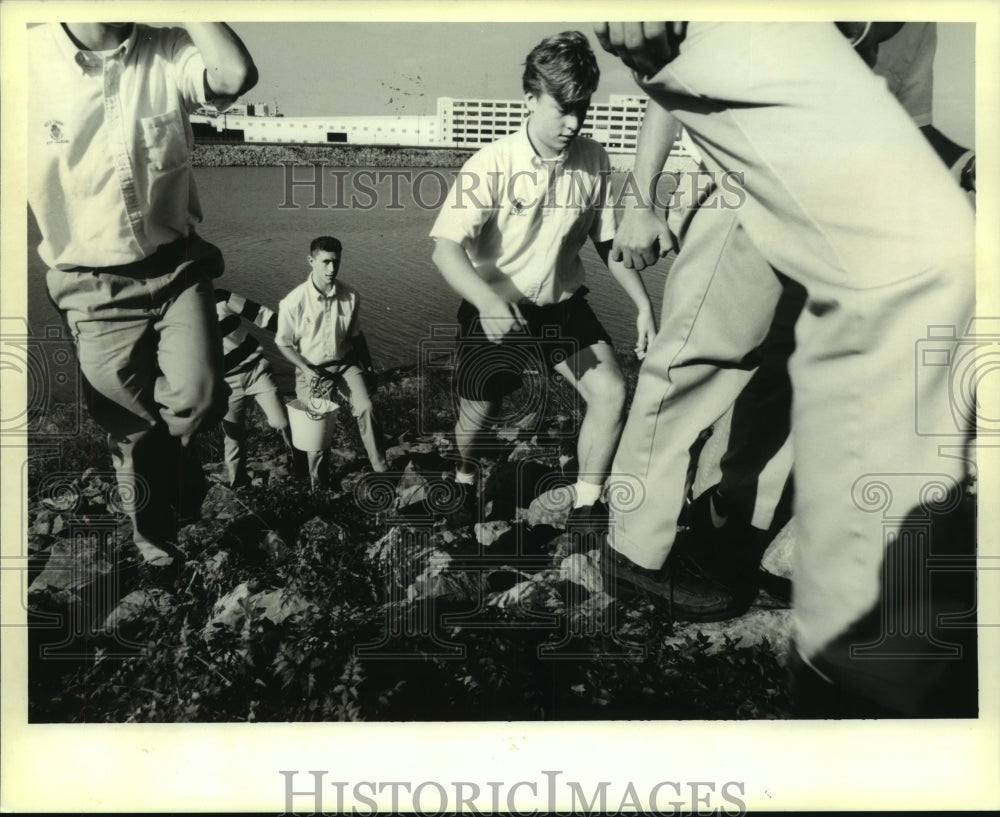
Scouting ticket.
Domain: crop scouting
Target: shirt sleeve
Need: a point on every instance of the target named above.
(354, 326)
(605, 219)
(188, 66)
(471, 201)
(285, 336)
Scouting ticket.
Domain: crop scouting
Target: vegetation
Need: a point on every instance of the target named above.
(302, 606)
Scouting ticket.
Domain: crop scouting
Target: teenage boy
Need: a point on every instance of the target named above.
(319, 331)
(248, 375)
(870, 222)
(707, 348)
(511, 248)
(109, 182)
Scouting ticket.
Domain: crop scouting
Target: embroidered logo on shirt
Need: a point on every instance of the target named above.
(55, 129)
(517, 207)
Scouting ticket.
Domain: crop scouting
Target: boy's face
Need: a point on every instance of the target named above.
(551, 126)
(324, 265)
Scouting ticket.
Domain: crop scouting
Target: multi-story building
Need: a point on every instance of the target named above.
(458, 123)
(477, 122)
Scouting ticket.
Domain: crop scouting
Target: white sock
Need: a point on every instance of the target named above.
(587, 493)
(465, 479)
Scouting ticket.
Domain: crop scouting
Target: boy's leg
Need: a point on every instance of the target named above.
(718, 301)
(317, 460)
(191, 390)
(351, 386)
(473, 417)
(234, 433)
(118, 362)
(276, 414)
(596, 375)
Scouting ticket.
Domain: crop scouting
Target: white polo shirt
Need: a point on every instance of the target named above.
(109, 144)
(522, 220)
(319, 326)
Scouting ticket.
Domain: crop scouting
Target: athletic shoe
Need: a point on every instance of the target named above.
(730, 553)
(692, 597)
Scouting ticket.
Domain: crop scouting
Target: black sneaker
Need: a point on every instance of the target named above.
(587, 527)
(778, 587)
(692, 597)
(729, 554)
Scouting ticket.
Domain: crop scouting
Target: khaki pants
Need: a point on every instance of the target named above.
(845, 197)
(148, 343)
(348, 383)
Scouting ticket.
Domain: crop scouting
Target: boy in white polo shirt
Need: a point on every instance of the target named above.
(109, 182)
(319, 332)
(508, 241)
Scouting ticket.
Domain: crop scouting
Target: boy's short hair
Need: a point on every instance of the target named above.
(564, 67)
(325, 243)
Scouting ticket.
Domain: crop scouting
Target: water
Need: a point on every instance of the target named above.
(387, 257)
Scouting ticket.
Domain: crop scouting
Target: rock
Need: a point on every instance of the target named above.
(229, 610)
(454, 587)
(58, 524)
(778, 557)
(488, 532)
(43, 522)
(135, 605)
(508, 435)
(410, 478)
(396, 452)
(75, 565)
(276, 548)
(221, 503)
(529, 422)
(402, 556)
(216, 564)
(502, 579)
(37, 542)
(552, 507)
(581, 570)
(522, 450)
(543, 592)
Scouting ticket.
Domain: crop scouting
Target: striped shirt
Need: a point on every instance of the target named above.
(241, 350)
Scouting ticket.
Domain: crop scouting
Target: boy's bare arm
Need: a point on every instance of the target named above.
(229, 68)
(643, 236)
(293, 356)
(499, 317)
(631, 282)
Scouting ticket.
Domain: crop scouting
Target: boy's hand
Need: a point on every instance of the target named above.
(499, 318)
(645, 324)
(643, 47)
(641, 239)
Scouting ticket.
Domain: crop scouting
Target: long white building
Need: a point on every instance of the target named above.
(458, 123)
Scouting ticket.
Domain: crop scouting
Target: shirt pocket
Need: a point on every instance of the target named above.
(165, 141)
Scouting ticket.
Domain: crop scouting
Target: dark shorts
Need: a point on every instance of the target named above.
(486, 371)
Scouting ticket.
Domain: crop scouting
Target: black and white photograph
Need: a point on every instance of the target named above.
(488, 408)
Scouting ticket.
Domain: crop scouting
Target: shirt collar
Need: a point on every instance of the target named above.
(88, 61)
(527, 151)
(318, 293)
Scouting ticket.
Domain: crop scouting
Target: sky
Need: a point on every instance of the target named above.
(399, 67)
(316, 69)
